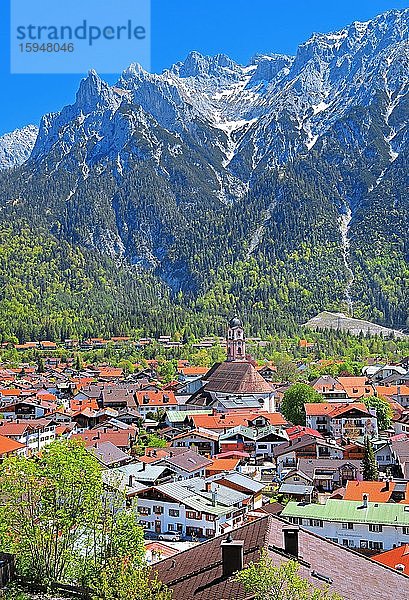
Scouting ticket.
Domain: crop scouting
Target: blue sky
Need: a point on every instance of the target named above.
(239, 28)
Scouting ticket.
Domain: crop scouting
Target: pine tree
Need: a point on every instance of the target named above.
(40, 365)
(78, 362)
(369, 466)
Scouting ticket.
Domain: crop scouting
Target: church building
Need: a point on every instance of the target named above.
(235, 383)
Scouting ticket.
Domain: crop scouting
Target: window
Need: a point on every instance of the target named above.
(158, 510)
(262, 446)
(316, 523)
(210, 518)
(363, 544)
(296, 520)
(375, 545)
(171, 527)
(173, 512)
(144, 510)
(191, 514)
(347, 525)
(375, 528)
(405, 530)
(209, 532)
(345, 542)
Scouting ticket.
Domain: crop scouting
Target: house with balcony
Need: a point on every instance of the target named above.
(186, 465)
(253, 440)
(326, 475)
(205, 441)
(287, 454)
(150, 401)
(342, 420)
(33, 434)
(194, 508)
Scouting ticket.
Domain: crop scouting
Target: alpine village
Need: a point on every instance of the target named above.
(204, 331)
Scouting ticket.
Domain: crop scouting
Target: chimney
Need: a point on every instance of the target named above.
(130, 481)
(208, 486)
(290, 535)
(232, 556)
(365, 500)
(214, 498)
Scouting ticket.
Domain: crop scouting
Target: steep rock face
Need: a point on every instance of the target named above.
(16, 147)
(230, 183)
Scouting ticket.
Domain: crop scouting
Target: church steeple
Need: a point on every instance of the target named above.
(236, 342)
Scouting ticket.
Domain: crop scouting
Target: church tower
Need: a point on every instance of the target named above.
(236, 342)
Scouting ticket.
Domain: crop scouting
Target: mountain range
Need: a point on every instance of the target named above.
(276, 190)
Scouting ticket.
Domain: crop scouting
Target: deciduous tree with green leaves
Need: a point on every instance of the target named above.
(383, 409)
(60, 521)
(266, 581)
(122, 580)
(292, 405)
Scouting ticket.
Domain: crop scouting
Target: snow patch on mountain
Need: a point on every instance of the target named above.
(16, 147)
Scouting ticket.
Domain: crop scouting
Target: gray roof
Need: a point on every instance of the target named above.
(143, 472)
(300, 442)
(107, 453)
(239, 402)
(118, 479)
(309, 466)
(254, 433)
(191, 492)
(242, 481)
(187, 461)
(296, 490)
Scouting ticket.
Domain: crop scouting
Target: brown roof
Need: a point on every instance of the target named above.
(236, 377)
(197, 572)
(188, 461)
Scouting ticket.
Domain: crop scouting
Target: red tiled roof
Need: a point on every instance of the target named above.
(8, 446)
(377, 491)
(223, 464)
(234, 419)
(191, 371)
(10, 392)
(79, 405)
(155, 398)
(110, 372)
(392, 390)
(333, 409)
(13, 428)
(298, 430)
(393, 558)
(118, 438)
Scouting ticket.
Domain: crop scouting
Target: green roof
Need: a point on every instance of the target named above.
(382, 513)
(178, 416)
